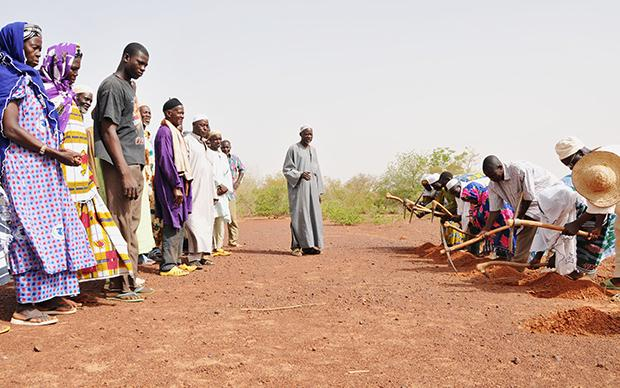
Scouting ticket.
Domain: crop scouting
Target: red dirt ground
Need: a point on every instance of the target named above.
(378, 309)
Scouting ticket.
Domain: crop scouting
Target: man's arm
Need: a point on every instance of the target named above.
(523, 207)
(239, 179)
(113, 146)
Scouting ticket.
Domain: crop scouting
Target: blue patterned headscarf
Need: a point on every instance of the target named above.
(13, 68)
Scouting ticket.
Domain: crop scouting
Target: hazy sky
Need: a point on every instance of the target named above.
(373, 78)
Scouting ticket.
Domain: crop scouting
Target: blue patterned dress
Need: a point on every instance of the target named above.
(50, 242)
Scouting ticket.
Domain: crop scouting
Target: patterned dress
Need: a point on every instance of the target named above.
(478, 196)
(105, 238)
(50, 244)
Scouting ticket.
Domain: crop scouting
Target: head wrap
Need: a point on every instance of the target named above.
(568, 147)
(171, 104)
(451, 183)
(83, 89)
(474, 192)
(13, 68)
(55, 74)
(31, 30)
(303, 128)
(199, 117)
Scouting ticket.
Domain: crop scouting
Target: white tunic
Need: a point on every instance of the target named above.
(199, 224)
(221, 176)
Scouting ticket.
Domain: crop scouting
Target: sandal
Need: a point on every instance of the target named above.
(144, 290)
(296, 252)
(174, 271)
(55, 307)
(608, 284)
(129, 297)
(5, 329)
(188, 268)
(32, 317)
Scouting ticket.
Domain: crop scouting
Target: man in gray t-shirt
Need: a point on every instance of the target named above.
(115, 102)
(119, 143)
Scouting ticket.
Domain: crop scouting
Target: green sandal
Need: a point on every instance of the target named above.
(128, 297)
(610, 286)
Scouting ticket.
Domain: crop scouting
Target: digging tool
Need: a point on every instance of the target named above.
(511, 223)
(443, 208)
(409, 205)
(512, 230)
(445, 246)
(482, 267)
(447, 225)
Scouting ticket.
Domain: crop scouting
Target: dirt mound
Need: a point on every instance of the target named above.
(500, 275)
(554, 285)
(423, 249)
(464, 261)
(435, 254)
(579, 321)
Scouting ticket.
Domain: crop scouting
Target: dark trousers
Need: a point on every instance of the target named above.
(172, 247)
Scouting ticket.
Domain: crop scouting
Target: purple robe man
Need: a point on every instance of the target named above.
(172, 184)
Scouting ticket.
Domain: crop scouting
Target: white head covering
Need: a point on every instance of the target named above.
(199, 117)
(303, 128)
(451, 183)
(430, 178)
(79, 89)
(568, 146)
(215, 133)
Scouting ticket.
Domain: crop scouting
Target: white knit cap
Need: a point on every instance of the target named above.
(451, 183)
(199, 117)
(303, 128)
(79, 89)
(429, 178)
(568, 146)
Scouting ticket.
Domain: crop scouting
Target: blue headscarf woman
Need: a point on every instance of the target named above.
(50, 243)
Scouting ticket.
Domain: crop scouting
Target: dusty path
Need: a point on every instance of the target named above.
(375, 313)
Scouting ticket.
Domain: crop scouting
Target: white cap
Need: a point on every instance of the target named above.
(451, 183)
(303, 128)
(568, 146)
(79, 89)
(429, 178)
(199, 117)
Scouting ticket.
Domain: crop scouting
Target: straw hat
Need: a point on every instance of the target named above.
(597, 177)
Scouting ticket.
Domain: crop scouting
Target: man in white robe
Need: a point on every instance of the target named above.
(224, 186)
(199, 225)
(305, 187)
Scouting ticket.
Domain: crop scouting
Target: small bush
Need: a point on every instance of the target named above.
(271, 197)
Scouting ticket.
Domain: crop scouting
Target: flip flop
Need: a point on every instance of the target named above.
(610, 286)
(144, 290)
(127, 297)
(30, 315)
(5, 329)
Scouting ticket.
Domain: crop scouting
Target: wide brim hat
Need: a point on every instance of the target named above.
(597, 177)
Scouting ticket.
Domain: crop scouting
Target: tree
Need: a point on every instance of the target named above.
(403, 175)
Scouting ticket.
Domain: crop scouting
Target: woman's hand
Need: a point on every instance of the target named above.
(68, 157)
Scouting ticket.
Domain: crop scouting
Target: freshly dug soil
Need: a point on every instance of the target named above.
(553, 285)
(579, 321)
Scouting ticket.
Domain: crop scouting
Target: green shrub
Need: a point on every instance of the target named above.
(271, 197)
